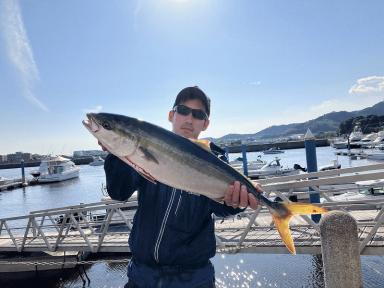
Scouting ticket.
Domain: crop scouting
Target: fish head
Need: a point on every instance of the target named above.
(118, 134)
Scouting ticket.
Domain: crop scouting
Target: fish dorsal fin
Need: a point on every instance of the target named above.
(206, 144)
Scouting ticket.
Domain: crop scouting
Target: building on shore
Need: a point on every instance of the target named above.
(18, 156)
(89, 153)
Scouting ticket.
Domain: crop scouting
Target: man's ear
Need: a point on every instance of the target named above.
(206, 124)
(170, 116)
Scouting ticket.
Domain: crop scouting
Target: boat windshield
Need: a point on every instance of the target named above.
(58, 169)
(374, 191)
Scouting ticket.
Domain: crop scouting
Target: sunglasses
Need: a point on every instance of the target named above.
(196, 113)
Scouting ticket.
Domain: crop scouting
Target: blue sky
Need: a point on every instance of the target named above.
(262, 63)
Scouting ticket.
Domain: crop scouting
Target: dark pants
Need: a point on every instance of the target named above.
(130, 284)
(144, 276)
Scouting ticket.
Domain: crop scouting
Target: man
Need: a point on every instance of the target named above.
(172, 237)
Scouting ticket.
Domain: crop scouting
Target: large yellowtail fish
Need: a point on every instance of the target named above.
(160, 155)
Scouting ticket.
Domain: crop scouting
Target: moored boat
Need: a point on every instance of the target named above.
(97, 161)
(55, 169)
(271, 169)
(273, 150)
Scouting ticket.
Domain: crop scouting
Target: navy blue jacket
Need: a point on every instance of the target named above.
(171, 226)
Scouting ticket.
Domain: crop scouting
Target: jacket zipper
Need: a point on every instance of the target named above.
(178, 203)
(158, 241)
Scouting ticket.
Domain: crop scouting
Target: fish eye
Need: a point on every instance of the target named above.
(106, 125)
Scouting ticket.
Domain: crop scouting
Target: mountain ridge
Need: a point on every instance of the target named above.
(328, 122)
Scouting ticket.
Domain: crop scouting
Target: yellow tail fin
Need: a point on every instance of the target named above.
(282, 222)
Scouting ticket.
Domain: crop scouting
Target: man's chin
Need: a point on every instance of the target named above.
(186, 133)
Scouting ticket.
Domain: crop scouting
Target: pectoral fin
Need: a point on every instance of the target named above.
(148, 155)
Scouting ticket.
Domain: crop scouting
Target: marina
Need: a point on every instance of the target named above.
(259, 238)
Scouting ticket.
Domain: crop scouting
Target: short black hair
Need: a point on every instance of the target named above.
(191, 93)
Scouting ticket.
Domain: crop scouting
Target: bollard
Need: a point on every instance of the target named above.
(245, 162)
(310, 153)
(22, 172)
(340, 250)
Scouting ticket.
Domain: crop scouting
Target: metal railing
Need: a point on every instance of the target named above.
(88, 227)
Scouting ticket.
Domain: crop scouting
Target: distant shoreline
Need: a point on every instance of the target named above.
(77, 161)
(231, 149)
(281, 145)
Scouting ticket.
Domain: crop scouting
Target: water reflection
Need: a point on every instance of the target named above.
(235, 270)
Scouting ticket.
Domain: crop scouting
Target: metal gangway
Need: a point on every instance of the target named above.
(105, 226)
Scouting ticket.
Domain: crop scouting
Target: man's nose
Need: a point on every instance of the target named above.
(189, 118)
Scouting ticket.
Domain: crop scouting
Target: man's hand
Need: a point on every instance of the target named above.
(237, 196)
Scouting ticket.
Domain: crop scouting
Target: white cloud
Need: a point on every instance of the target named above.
(366, 92)
(19, 50)
(255, 83)
(370, 84)
(95, 109)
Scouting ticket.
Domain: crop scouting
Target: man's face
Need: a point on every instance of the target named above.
(188, 126)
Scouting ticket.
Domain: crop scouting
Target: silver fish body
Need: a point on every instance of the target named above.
(160, 155)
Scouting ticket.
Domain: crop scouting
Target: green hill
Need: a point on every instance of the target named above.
(329, 122)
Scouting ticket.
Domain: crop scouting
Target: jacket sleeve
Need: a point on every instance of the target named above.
(219, 209)
(223, 210)
(122, 180)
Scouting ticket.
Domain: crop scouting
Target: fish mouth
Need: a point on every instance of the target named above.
(91, 124)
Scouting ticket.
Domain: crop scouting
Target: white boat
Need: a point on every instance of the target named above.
(375, 155)
(334, 165)
(4, 180)
(256, 164)
(56, 169)
(367, 190)
(367, 141)
(356, 134)
(97, 161)
(272, 168)
(273, 150)
(340, 144)
(379, 139)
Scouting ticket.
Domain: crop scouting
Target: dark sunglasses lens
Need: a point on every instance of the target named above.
(196, 113)
(183, 110)
(199, 114)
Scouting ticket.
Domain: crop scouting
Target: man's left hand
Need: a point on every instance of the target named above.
(237, 196)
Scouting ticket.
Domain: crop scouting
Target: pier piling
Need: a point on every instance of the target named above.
(22, 172)
(245, 162)
(340, 251)
(310, 153)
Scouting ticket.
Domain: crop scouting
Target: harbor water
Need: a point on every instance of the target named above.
(232, 270)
